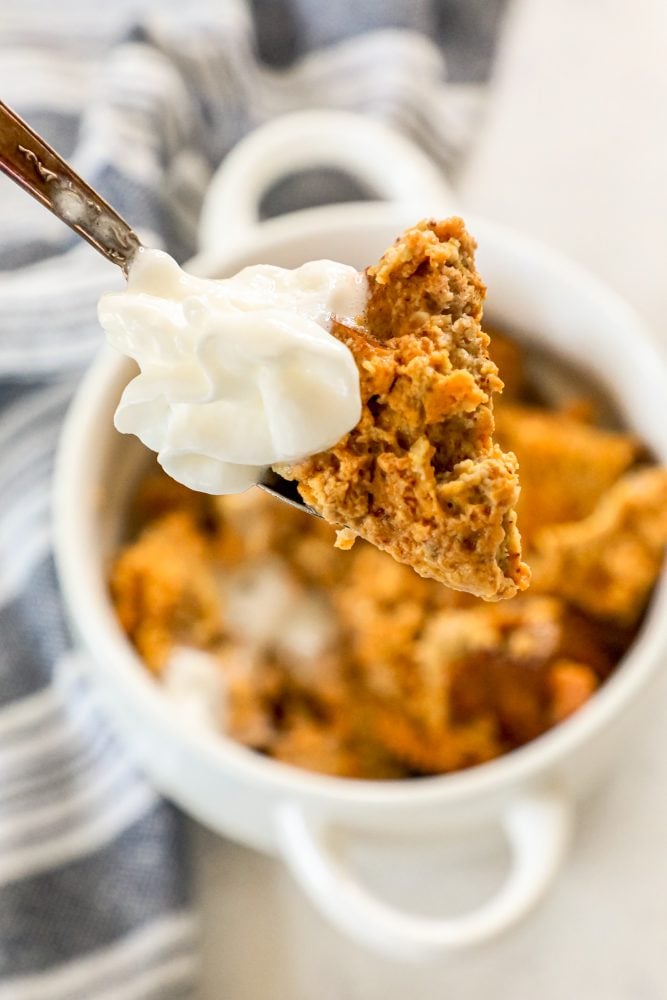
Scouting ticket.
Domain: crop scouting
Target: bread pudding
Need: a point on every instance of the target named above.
(420, 476)
(349, 663)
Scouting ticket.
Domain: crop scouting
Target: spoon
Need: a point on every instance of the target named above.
(39, 170)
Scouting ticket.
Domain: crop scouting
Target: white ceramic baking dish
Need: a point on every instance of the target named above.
(303, 817)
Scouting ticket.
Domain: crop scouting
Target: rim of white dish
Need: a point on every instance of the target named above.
(81, 577)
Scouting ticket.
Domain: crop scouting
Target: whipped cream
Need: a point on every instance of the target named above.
(236, 374)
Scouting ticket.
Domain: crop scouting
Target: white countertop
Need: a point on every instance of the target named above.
(574, 151)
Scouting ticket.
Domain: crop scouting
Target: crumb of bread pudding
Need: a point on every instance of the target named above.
(420, 476)
(345, 539)
(164, 587)
(607, 563)
(566, 465)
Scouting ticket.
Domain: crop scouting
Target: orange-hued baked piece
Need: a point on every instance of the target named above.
(606, 564)
(420, 476)
(566, 465)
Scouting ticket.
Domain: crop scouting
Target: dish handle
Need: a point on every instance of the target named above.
(384, 159)
(537, 826)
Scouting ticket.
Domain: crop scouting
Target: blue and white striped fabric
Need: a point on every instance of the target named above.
(145, 101)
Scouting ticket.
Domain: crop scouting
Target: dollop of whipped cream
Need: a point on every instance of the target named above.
(236, 374)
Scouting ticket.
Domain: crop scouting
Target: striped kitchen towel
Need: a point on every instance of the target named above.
(144, 100)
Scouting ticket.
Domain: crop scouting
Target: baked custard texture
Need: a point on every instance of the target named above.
(420, 476)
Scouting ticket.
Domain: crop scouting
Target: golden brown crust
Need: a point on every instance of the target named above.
(607, 563)
(572, 684)
(419, 476)
(566, 465)
(161, 599)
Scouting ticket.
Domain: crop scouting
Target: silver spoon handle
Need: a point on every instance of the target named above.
(38, 169)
